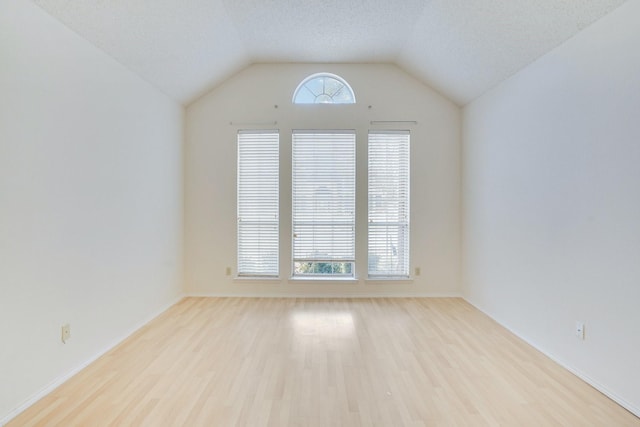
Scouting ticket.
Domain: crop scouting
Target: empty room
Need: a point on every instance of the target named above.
(320, 213)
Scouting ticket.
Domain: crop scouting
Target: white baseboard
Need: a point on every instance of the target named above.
(66, 376)
(332, 295)
(563, 363)
(595, 384)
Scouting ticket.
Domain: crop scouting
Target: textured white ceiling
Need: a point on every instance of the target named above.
(324, 30)
(460, 47)
(183, 47)
(465, 47)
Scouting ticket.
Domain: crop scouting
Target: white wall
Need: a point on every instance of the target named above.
(90, 202)
(250, 96)
(551, 194)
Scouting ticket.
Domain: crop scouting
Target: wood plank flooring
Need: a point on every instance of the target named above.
(324, 362)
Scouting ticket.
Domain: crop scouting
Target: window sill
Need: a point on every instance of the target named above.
(241, 279)
(323, 280)
(388, 280)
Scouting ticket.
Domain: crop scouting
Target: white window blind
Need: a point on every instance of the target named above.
(388, 204)
(258, 202)
(323, 192)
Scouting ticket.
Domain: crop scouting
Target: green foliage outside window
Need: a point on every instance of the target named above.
(323, 268)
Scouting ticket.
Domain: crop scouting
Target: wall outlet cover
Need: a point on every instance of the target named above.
(580, 329)
(66, 333)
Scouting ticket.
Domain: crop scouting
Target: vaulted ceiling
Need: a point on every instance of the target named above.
(460, 47)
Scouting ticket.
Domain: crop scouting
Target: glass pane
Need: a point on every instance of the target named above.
(332, 86)
(324, 99)
(316, 86)
(323, 268)
(304, 96)
(343, 96)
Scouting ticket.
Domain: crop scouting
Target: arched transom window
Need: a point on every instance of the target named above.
(324, 88)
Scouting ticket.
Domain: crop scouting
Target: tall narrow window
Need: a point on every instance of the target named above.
(388, 204)
(258, 201)
(323, 187)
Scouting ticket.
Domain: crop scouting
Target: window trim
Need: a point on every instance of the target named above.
(276, 205)
(406, 204)
(319, 276)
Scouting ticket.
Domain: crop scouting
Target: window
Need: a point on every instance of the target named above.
(258, 201)
(324, 88)
(323, 198)
(388, 204)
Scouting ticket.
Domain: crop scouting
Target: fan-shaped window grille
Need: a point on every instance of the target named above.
(324, 88)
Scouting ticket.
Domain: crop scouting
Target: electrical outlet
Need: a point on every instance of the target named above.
(417, 273)
(227, 271)
(580, 329)
(66, 333)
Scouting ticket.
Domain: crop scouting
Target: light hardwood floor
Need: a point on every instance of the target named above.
(324, 362)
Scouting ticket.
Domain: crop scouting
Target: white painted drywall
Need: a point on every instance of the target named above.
(90, 202)
(551, 202)
(251, 97)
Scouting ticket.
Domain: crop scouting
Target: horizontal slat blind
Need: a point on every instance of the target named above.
(388, 204)
(323, 191)
(258, 203)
